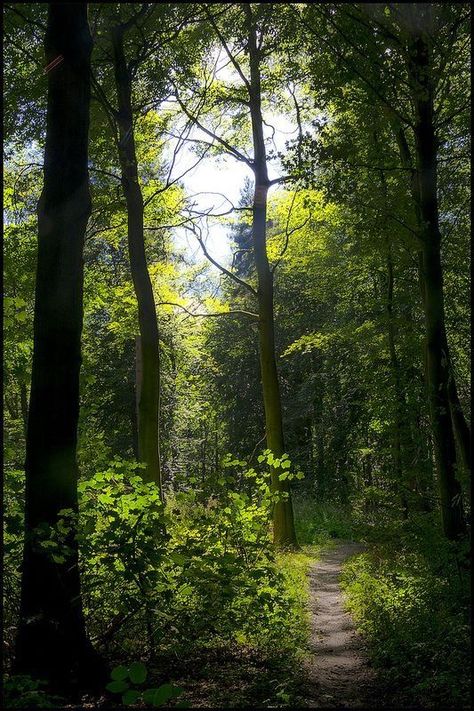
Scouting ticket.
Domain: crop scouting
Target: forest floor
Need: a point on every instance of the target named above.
(337, 668)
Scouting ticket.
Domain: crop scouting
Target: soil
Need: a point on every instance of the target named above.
(338, 671)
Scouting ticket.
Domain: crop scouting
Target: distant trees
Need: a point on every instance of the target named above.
(396, 57)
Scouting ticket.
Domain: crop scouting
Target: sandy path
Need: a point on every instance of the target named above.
(337, 668)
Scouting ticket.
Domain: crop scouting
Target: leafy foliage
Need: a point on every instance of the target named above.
(411, 601)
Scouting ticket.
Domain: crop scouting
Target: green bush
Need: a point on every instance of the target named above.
(198, 570)
(410, 597)
(22, 692)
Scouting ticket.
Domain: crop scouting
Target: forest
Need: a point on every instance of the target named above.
(236, 270)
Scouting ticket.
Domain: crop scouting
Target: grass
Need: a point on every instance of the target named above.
(320, 523)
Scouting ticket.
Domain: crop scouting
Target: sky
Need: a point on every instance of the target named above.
(225, 176)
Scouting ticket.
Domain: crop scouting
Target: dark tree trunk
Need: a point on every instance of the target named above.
(51, 642)
(149, 390)
(437, 353)
(283, 524)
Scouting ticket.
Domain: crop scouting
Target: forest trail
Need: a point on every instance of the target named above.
(338, 671)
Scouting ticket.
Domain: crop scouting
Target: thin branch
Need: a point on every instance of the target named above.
(236, 312)
(289, 232)
(235, 63)
(225, 271)
(230, 149)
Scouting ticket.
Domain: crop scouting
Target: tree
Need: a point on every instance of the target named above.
(250, 34)
(392, 56)
(148, 351)
(52, 643)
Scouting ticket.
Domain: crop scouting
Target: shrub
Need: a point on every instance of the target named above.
(411, 600)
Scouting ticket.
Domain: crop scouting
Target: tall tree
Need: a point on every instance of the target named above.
(438, 366)
(51, 642)
(283, 524)
(249, 34)
(148, 350)
(398, 57)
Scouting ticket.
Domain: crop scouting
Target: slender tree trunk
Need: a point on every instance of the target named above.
(283, 523)
(24, 406)
(438, 365)
(400, 408)
(51, 641)
(149, 392)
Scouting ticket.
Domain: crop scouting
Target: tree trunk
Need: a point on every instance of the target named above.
(283, 523)
(438, 365)
(51, 642)
(149, 392)
(24, 407)
(400, 408)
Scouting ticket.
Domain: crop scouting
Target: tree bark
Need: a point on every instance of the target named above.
(149, 391)
(51, 641)
(284, 534)
(437, 361)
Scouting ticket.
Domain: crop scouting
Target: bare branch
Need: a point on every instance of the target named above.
(234, 312)
(195, 231)
(235, 63)
(230, 149)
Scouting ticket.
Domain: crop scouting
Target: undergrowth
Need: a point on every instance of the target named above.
(409, 595)
(319, 523)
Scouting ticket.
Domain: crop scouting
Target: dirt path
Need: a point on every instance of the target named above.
(338, 673)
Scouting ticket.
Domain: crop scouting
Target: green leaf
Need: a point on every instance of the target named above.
(116, 687)
(130, 697)
(119, 673)
(149, 695)
(138, 672)
(178, 558)
(286, 464)
(165, 693)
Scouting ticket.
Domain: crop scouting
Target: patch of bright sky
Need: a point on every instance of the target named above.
(215, 179)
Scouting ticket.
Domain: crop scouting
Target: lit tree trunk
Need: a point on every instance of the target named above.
(283, 524)
(438, 365)
(51, 642)
(149, 389)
